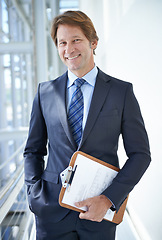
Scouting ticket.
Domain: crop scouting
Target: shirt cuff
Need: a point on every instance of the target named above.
(112, 208)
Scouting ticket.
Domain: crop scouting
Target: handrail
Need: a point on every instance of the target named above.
(11, 183)
(137, 224)
(8, 194)
(12, 156)
(13, 133)
(22, 235)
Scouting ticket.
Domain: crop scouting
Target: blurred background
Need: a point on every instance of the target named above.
(130, 48)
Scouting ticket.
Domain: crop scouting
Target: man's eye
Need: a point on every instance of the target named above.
(77, 40)
(62, 43)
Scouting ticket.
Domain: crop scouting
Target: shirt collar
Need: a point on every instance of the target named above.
(90, 77)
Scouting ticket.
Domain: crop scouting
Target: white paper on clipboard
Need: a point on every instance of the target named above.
(90, 179)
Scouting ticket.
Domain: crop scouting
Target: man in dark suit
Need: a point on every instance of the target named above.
(109, 109)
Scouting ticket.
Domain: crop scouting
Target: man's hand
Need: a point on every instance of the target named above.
(97, 208)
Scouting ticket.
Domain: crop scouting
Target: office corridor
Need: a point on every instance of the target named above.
(28, 57)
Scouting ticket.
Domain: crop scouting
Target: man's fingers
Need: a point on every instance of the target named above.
(84, 215)
(83, 203)
(89, 216)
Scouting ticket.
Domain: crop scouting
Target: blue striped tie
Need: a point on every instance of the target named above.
(75, 114)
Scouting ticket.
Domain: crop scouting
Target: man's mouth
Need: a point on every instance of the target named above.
(71, 58)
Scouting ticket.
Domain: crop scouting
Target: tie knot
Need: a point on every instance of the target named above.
(79, 82)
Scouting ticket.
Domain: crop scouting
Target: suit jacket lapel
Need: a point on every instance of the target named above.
(60, 92)
(101, 90)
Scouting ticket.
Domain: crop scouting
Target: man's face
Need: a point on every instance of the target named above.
(75, 50)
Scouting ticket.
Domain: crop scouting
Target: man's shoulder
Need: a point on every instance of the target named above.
(44, 86)
(113, 80)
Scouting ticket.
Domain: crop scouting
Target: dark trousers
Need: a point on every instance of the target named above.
(73, 228)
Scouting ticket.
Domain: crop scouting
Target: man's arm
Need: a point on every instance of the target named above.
(137, 148)
(35, 149)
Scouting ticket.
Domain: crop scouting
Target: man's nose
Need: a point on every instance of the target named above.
(69, 48)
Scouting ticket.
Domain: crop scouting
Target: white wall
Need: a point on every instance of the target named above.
(130, 48)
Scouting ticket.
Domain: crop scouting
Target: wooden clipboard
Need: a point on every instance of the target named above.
(117, 216)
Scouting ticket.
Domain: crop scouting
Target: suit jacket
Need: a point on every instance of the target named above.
(114, 110)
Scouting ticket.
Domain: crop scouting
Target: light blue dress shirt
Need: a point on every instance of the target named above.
(87, 90)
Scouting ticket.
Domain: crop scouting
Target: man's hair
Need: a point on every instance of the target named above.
(74, 18)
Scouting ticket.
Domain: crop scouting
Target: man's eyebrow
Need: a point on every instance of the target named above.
(61, 40)
(75, 36)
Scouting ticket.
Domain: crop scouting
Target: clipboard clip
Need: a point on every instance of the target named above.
(67, 176)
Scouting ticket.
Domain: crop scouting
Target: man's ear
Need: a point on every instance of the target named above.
(94, 44)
